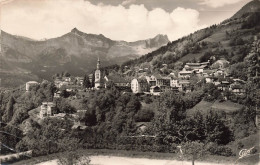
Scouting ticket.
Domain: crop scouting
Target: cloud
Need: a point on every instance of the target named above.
(127, 2)
(48, 19)
(2, 2)
(218, 3)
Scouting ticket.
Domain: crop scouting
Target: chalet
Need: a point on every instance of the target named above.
(57, 94)
(79, 80)
(158, 80)
(198, 71)
(210, 79)
(60, 115)
(139, 85)
(151, 80)
(207, 72)
(30, 84)
(117, 80)
(237, 89)
(172, 74)
(57, 82)
(82, 111)
(155, 90)
(47, 109)
(184, 74)
(175, 82)
(60, 84)
(184, 84)
(176, 89)
(223, 86)
(188, 89)
(239, 81)
(219, 72)
(192, 66)
(165, 88)
(161, 81)
(66, 79)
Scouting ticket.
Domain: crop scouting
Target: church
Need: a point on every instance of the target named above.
(98, 76)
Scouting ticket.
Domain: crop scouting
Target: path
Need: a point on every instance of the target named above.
(115, 160)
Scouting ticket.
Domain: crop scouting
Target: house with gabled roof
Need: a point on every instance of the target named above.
(117, 80)
(139, 85)
(47, 109)
(185, 74)
(155, 90)
(30, 84)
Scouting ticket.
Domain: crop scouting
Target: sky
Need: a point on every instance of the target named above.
(127, 20)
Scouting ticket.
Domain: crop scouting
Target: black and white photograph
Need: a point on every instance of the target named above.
(130, 82)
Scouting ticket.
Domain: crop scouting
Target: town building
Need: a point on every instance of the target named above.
(185, 74)
(47, 109)
(192, 66)
(98, 76)
(237, 89)
(155, 90)
(57, 94)
(79, 80)
(30, 84)
(139, 85)
(158, 80)
(117, 80)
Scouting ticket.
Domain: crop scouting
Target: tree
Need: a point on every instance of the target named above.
(215, 129)
(66, 74)
(193, 150)
(144, 115)
(206, 56)
(64, 106)
(73, 158)
(86, 82)
(93, 81)
(9, 110)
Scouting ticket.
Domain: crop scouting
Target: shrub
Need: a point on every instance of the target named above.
(214, 149)
(148, 100)
(73, 157)
(240, 145)
(144, 115)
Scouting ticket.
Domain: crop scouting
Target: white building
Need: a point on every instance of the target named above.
(98, 76)
(139, 85)
(184, 74)
(57, 94)
(47, 109)
(30, 84)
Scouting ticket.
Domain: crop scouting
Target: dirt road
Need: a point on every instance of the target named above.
(114, 160)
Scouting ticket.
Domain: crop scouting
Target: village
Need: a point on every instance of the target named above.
(216, 73)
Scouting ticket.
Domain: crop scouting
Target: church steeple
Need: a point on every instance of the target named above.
(98, 76)
(98, 64)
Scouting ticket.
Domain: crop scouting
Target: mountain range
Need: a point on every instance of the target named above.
(231, 39)
(24, 59)
(75, 52)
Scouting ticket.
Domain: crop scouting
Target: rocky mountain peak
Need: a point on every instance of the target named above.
(161, 37)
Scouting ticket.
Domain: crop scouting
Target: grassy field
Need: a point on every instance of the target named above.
(204, 107)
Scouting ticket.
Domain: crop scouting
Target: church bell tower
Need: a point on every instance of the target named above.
(98, 76)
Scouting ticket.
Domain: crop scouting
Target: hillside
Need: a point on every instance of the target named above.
(75, 52)
(230, 39)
